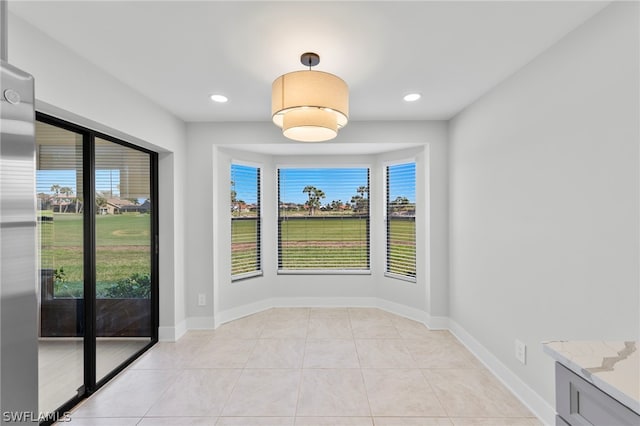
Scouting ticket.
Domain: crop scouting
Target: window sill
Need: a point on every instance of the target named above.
(246, 276)
(400, 277)
(323, 272)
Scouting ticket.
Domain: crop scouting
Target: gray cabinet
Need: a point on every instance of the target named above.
(579, 403)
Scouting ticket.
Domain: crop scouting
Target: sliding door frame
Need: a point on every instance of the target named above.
(89, 136)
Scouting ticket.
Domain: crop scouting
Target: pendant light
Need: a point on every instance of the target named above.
(310, 106)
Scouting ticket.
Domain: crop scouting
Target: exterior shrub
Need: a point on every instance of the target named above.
(137, 286)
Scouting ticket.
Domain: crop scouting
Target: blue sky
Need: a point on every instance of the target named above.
(106, 180)
(402, 181)
(244, 179)
(337, 183)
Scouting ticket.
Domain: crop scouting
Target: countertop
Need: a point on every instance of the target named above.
(614, 367)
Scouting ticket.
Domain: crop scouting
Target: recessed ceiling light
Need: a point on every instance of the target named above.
(411, 97)
(219, 98)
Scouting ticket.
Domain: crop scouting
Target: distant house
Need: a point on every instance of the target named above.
(239, 207)
(119, 206)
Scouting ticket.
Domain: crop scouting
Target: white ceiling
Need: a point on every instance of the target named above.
(177, 52)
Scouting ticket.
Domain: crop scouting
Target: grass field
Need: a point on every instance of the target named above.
(401, 258)
(314, 243)
(122, 249)
(244, 247)
(324, 243)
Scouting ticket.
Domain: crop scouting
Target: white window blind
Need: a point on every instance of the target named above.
(401, 220)
(323, 219)
(245, 221)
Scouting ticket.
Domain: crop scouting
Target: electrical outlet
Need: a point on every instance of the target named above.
(521, 352)
(202, 299)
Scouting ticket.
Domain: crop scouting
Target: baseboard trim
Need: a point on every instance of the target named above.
(171, 334)
(431, 322)
(200, 323)
(324, 302)
(536, 404)
(242, 311)
(292, 302)
(437, 323)
(402, 310)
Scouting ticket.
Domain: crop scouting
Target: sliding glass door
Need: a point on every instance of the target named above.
(123, 231)
(97, 224)
(59, 189)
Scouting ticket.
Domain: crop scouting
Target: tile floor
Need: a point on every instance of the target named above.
(61, 365)
(307, 366)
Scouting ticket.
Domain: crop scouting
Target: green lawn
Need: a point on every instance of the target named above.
(244, 249)
(324, 229)
(402, 248)
(122, 249)
(324, 243)
(123, 246)
(315, 243)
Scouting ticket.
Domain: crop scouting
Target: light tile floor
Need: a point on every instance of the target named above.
(307, 366)
(61, 365)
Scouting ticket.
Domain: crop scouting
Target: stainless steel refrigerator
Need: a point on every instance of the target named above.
(18, 277)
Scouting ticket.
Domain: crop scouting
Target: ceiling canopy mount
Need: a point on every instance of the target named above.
(310, 59)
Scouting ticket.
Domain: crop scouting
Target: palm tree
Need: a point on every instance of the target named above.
(55, 188)
(234, 198)
(315, 195)
(361, 201)
(66, 191)
(101, 200)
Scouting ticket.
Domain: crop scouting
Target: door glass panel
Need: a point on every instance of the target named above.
(123, 253)
(60, 238)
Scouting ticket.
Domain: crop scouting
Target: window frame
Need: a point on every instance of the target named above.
(328, 166)
(385, 173)
(260, 185)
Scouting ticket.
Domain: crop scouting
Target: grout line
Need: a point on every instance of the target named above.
(366, 393)
(306, 338)
(435, 394)
(242, 370)
(233, 388)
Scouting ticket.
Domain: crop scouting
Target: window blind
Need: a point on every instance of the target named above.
(401, 220)
(245, 221)
(323, 219)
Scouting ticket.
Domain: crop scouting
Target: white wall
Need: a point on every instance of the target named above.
(544, 200)
(69, 87)
(211, 148)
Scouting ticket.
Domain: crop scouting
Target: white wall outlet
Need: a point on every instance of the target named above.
(202, 299)
(521, 352)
